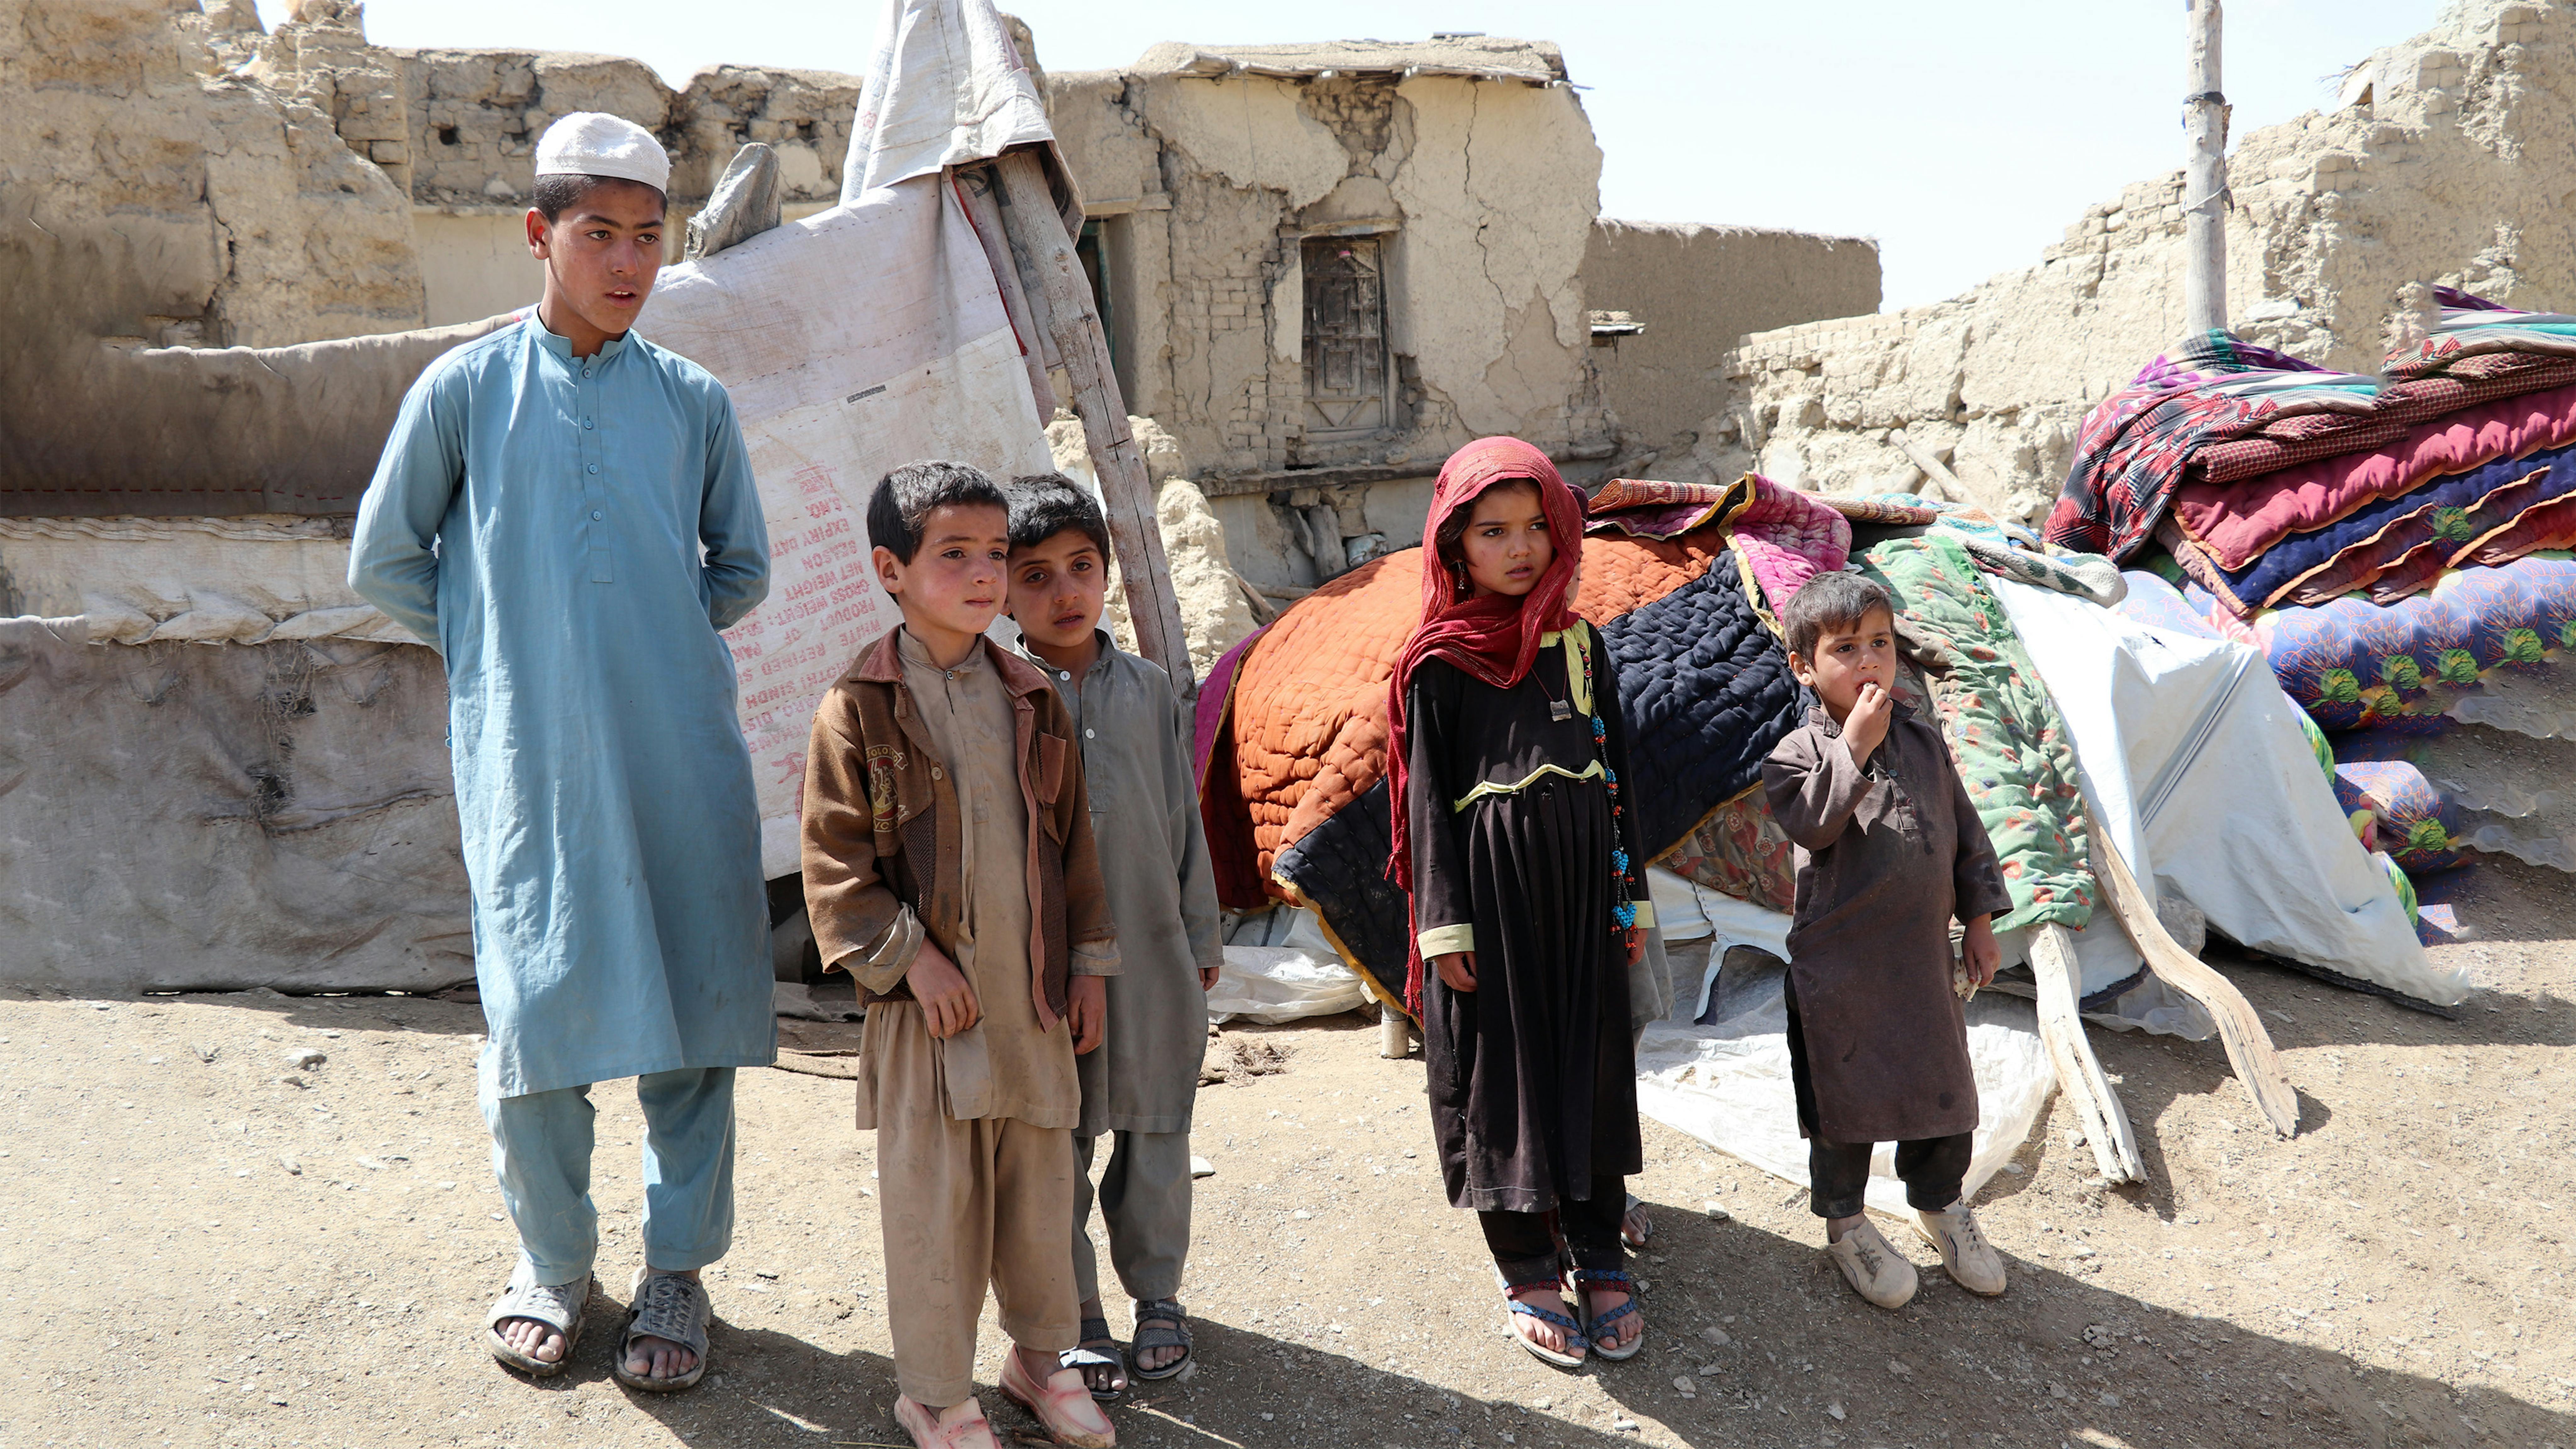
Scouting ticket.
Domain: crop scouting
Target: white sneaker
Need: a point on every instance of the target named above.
(1964, 1249)
(1875, 1270)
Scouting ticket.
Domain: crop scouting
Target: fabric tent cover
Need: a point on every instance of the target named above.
(179, 817)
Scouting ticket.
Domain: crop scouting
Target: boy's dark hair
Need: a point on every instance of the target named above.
(553, 195)
(1046, 504)
(1830, 602)
(905, 497)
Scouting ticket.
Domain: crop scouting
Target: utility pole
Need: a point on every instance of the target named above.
(2204, 183)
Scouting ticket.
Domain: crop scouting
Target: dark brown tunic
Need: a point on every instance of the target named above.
(1886, 857)
(1533, 1076)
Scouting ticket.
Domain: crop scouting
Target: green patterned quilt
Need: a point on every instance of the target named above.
(2011, 746)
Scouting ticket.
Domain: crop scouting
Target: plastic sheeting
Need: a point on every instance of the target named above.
(1727, 1084)
(2196, 766)
(854, 341)
(189, 580)
(1279, 967)
(181, 818)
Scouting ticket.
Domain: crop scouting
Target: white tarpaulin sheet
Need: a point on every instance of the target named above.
(854, 341)
(1727, 1084)
(1280, 967)
(2195, 765)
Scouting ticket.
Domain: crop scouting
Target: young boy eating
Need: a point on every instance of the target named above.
(1141, 1086)
(950, 869)
(1889, 850)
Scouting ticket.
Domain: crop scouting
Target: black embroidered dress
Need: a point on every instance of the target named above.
(1533, 1076)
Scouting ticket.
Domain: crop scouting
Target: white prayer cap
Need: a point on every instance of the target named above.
(594, 143)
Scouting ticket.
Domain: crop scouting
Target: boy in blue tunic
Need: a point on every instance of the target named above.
(566, 512)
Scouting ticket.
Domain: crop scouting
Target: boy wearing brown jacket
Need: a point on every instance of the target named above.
(949, 868)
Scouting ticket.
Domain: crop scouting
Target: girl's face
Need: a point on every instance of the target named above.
(1507, 544)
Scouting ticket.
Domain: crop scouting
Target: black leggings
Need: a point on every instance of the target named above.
(1934, 1168)
(1525, 1249)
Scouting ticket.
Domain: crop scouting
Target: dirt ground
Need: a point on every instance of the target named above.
(196, 1251)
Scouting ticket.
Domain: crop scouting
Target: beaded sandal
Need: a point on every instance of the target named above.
(1581, 1279)
(1515, 1310)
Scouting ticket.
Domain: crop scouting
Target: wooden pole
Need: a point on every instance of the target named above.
(2080, 1078)
(2204, 185)
(1057, 292)
(2249, 1046)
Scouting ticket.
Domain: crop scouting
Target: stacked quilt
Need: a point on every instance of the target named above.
(2389, 560)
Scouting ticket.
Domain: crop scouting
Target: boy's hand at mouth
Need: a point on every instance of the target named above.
(946, 999)
(1865, 729)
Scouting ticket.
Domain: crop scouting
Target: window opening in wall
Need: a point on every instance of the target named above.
(1345, 349)
(1091, 251)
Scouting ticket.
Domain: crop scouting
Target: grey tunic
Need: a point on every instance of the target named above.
(1162, 893)
(1886, 857)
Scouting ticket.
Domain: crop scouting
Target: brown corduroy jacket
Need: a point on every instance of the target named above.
(882, 830)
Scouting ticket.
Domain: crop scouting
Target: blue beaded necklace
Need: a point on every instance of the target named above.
(1623, 916)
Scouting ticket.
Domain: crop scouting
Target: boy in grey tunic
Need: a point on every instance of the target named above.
(1143, 1081)
(1889, 852)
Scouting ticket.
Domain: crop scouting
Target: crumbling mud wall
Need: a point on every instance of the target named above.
(1209, 173)
(1692, 292)
(153, 196)
(2446, 158)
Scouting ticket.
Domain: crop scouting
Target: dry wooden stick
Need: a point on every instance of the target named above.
(1060, 297)
(2249, 1046)
(2079, 1072)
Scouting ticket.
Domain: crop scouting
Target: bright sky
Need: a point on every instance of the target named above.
(1963, 136)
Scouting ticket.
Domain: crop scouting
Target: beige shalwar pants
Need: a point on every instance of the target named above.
(962, 1204)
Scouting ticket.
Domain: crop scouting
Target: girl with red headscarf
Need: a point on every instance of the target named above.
(1506, 762)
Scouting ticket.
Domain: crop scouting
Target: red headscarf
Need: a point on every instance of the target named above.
(1493, 637)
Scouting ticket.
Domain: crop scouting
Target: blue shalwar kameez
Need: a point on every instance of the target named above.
(570, 533)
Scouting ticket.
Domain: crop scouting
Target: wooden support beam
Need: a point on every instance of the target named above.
(2079, 1073)
(1942, 484)
(2204, 189)
(1061, 299)
(976, 188)
(2249, 1046)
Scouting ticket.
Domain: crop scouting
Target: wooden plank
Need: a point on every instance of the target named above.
(1061, 298)
(2205, 197)
(2249, 1046)
(975, 188)
(2079, 1073)
(1942, 484)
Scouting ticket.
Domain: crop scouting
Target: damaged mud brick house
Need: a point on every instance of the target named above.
(1326, 266)
(1323, 267)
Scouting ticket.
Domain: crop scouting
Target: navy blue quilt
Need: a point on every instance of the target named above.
(1706, 692)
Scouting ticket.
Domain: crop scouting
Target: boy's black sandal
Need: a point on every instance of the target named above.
(1574, 1339)
(1581, 1279)
(1160, 1323)
(1086, 1358)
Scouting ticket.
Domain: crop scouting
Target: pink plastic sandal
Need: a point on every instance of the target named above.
(1062, 1405)
(959, 1426)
